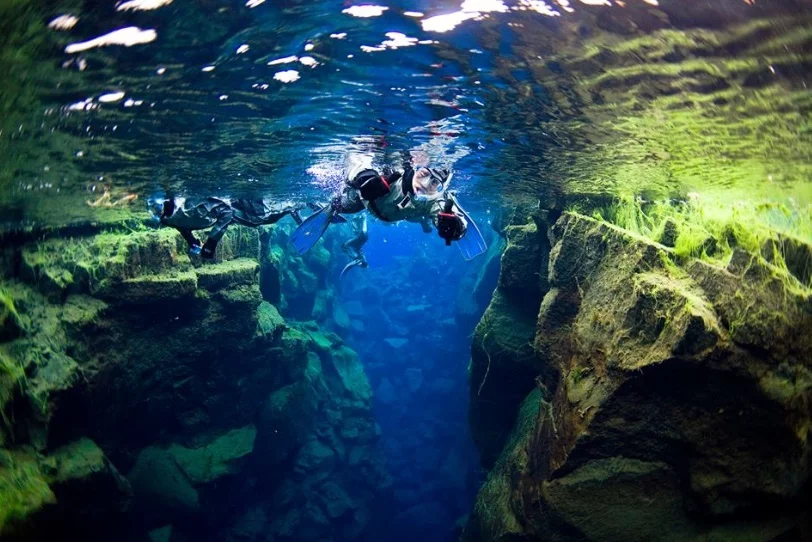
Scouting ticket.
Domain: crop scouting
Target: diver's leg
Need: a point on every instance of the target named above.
(354, 247)
(191, 240)
(224, 215)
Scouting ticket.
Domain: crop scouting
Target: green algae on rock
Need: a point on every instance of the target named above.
(197, 366)
(23, 488)
(665, 391)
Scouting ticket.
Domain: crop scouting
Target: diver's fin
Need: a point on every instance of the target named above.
(358, 262)
(337, 219)
(472, 243)
(311, 230)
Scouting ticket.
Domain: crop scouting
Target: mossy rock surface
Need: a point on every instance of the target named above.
(270, 323)
(145, 289)
(180, 353)
(242, 271)
(24, 489)
(347, 365)
(12, 324)
(218, 458)
(651, 370)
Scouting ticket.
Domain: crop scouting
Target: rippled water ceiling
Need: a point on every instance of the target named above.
(526, 99)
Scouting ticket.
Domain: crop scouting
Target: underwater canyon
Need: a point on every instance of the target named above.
(630, 359)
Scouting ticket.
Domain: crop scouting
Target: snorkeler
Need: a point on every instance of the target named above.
(186, 215)
(416, 195)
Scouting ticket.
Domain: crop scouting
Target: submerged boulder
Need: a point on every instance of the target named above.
(668, 402)
(220, 457)
(161, 486)
(285, 422)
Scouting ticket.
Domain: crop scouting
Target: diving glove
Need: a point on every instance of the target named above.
(194, 250)
(371, 185)
(449, 226)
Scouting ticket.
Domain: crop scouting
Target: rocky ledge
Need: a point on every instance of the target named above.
(145, 396)
(650, 397)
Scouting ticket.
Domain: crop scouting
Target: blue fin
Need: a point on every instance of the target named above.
(337, 219)
(472, 243)
(311, 230)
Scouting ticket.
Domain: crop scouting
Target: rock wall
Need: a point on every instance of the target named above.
(145, 396)
(650, 397)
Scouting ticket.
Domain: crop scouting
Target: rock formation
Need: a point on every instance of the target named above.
(148, 397)
(650, 397)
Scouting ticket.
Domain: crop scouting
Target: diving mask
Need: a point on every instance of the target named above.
(155, 207)
(436, 182)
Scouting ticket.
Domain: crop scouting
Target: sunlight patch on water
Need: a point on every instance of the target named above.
(484, 6)
(365, 11)
(447, 22)
(63, 22)
(111, 97)
(283, 60)
(129, 36)
(142, 5)
(287, 76)
(84, 105)
(396, 39)
(565, 5)
(544, 8)
(469, 9)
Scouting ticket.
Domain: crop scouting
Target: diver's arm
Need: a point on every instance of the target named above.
(450, 223)
(371, 184)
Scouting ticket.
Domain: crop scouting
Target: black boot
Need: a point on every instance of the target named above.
(209, 247)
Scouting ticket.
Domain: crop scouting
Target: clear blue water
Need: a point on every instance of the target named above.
(412, 290)
(269, 98)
